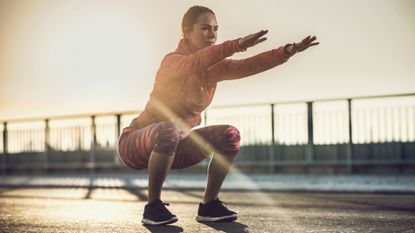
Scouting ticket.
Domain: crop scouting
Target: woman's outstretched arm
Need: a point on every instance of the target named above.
(235, 69)
(179, 65)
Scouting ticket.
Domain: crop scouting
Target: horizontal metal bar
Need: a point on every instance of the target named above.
(313, 100)
(325, 162)
(22, 166)
(86, 115)
(75, 116)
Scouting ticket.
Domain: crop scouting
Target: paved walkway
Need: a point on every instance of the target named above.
(67, 209)
(319, 183)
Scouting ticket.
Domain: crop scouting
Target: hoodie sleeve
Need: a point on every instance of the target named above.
(178, 65)
(235, 69)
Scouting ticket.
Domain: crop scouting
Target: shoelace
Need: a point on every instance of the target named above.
(163, 206)
(221, 204)
(219, 201)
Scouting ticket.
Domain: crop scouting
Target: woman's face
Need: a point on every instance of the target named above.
(203, 33)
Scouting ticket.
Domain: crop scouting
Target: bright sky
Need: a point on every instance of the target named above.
(77, 56)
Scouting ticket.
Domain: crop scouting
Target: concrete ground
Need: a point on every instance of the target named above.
(83, 209)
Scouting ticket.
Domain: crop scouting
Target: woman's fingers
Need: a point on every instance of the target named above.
(253, 39)
(308, 39)
(306, 43)
(256, 38)
(305, 40)
(312, 39)
(260, 40)
(261, 33)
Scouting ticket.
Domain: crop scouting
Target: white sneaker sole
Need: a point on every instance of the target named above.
(154, 223)
(228, 218)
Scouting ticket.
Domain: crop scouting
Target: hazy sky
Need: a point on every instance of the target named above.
(79, 56)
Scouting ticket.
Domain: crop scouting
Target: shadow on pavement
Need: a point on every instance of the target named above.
(191, 194)
(164, 229)
(228, 227)
(140, 194)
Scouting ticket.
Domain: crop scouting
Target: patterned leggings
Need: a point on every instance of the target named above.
(136, 145)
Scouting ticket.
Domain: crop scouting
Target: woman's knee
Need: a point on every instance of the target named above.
(231, 140)
(167, 138)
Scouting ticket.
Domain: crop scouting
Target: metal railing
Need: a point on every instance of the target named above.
(278, 134)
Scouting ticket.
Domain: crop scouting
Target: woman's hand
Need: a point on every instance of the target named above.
(252, 39)
(303, 45)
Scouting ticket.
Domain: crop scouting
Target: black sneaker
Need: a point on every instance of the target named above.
(215, 211)
(156, 213)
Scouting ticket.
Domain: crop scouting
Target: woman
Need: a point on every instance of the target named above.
(160, 138)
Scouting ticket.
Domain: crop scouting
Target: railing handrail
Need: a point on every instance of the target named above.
(63, 117)
(315, 100)
(86, 115)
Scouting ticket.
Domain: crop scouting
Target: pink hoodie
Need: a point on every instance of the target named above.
(186, 82)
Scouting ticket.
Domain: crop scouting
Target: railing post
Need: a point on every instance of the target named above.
(310, 146)
(116, 159)
(5, 151)
(349, 159)
(93, 146)
(272, 149)
(118, 117)
(47, 146)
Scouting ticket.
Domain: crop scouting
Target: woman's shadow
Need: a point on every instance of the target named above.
(228, 227)
(164, 229)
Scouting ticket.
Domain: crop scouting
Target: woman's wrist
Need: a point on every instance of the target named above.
(289, 49)
(243, 49)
